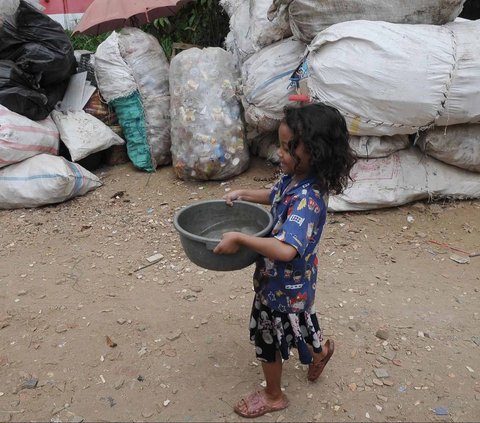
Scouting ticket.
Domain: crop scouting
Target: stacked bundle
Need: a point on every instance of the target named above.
(404, 69)
(36, 62)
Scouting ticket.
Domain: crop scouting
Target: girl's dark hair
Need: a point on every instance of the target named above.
(325, 136)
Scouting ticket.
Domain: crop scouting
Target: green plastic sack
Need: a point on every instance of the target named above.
(129, 111)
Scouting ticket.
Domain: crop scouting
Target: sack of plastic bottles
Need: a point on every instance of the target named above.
(207, 132)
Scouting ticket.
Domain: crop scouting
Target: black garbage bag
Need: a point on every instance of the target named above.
(19, 93)
(38, 45)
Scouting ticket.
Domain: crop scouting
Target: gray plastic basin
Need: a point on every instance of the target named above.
(201, 226)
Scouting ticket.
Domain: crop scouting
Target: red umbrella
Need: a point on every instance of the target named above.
(108, 15)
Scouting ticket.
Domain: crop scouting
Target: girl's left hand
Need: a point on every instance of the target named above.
(228, 244)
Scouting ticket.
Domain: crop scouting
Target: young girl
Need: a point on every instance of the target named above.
(316, 159)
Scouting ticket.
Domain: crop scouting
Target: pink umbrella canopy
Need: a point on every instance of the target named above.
(108, 15)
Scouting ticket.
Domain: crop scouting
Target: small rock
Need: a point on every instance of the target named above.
(155, 258)
(377, 382)
(354, 327)
(61, 328)
(381, 373)
(174, 335)
(196, 289)
(30, 383)
(190, 297)
(121, 321)
(459, 259)
(382, 334)
(119, 384)
(76, 419)
(389, 355)
(147, 413)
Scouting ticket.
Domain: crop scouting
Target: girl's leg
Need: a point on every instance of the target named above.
(273, 377)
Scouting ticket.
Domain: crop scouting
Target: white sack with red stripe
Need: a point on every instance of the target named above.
(21, 138)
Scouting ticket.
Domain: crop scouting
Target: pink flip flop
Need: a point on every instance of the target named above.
(256, 405)
(315, 370)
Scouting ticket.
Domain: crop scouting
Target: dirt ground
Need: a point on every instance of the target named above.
(86, 335)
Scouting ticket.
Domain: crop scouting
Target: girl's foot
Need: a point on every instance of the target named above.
(257, 404)
(320, 361)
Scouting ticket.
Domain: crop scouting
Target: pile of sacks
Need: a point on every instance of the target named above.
(405, 74)
(36, 63)
(186, 112)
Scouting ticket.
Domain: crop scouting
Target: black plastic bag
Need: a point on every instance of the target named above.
(38, 45)
(19, 94)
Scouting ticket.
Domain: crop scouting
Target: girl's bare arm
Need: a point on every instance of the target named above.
(271, 248)
(260, 196)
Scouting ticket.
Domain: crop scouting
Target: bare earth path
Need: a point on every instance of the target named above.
(404, 313)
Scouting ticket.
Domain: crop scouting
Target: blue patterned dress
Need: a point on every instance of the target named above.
(283, 314)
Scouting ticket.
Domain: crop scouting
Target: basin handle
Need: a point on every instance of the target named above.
(211, 245)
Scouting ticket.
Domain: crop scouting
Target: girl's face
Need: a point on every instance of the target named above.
(287, 161)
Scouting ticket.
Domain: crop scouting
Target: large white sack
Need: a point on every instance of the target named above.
(114, 77)
(83, 134)
(21, 137)
(252, 31)
(458, 145)
(149, 66)
(401, 178)
(42, 180)
(389, 79)
(309, 17)
(371, 147)
(266, 80)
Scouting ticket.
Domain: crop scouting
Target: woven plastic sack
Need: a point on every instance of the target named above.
(309, 17)
(389, 79)
(21, 138)
(150, 68)
(84, 134)
(42, 180)
(129, 111)
(457, 145)
(266, 83)
(371, 147)
(114, 77)
(401, 178)
(208, 141)
(251, 29)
